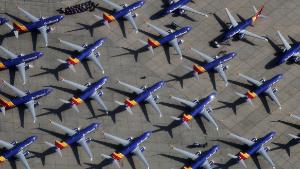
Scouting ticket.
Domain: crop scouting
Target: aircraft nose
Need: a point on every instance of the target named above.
(148, 133)
(49, 90)
(40, 54)
(33, 138)
(280, 76)
(216, 147)
(189, 28)
(233, 54)
(61, 17)
(213, 95)
(96, 125)
(273, 133)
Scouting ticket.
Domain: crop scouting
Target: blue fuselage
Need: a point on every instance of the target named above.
(19, 147)
(81, 133)
(173, 7)
(128, 9)
(211, 65)
(12, 63)
(204, 156)
(289, 53)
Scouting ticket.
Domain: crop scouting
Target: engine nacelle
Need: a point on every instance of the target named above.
(170, 31)
(100, 93)
(209, 110)
(181, 11)
(181, 41)
(130, 139)
(295, 59)
(143, 87)
(226, 67)
(76, 129)
(198, 153)
(263, 80)
(156, 98)
(87, 84)
(13, 142)
(241, 36)
(124, 5)
(26, 153)
(216, 44)
(171, 2)
(97, 54)
(36, 103)
(254, 139)
(49, 29)
(267, 149)
(196, 101)
(84, 45)
(134, 15)
(211, 162)
(27, 92)
(88, 140)
(142, 149)
(28, 66)
(275, 90)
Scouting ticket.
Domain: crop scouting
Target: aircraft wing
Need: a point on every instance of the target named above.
(5, 144)
(284, 41)
(222, 74)
(69, 131)
(22, 158)
(131, 20)
(203, 55)
(175, 44)
(186, 102)
(151, 100)
(159, 30)
(114, 5)
(97, 98)
(186, 153)
(72, 45)
(295, 116)
(21, 68)
(263, 152)
(140, 155)
(253, 35)
(73, 84)
(208, 116)
(30, 106)
(93, 58)
(86, 148)
(256, 82)
(273, 96)
(231, 18)
(43, 31)
(117, 139)
(193, 10)
(9, 53)
(16, 90)
(132, 88)
(242, 139)
(206, 165)
(28, 15)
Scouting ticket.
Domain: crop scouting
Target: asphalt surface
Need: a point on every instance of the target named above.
(118, 58)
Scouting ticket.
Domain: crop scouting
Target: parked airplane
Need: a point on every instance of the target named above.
(197, 108)
(180, 6)
(292, 135)
(289, 52)
(41, 24)
(28, 99)
(263, 86)
(130, 146)
(169, 37)
(19, 62)
(15, 149)
(200, 159)
(75, 136)
(88, 91)
(122, 11)
(213, 64)
(85, 52)
(239, 29)
(143, 94)
(255, 146)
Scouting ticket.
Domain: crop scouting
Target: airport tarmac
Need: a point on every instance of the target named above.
(118, 58)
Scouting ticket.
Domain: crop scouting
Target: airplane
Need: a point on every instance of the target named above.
(143, 94)
(23, 98)
(216, 64)
(75, 136)
(263, 86)
(180, 6)
(239, 29)
(256, 145)
(15, 149)
(19, 61)
(170, 37)
(198, 108)
(289, 52)
(200, 159)
(297, 138)
(130, 146)
(85, 52)
(41, 24)
(87, 91)
(122, 11)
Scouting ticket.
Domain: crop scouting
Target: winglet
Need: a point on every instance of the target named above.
(50, 121)
(60, 78)
(172, 146)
